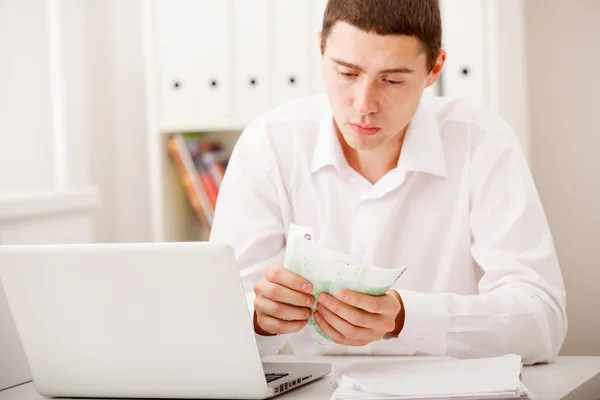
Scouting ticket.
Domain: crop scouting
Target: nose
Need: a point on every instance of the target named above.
(365, 100)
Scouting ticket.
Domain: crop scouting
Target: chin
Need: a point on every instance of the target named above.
(361, 143)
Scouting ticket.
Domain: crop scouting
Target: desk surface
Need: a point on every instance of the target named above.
(547, 382)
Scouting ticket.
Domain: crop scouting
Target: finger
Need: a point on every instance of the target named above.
(278, 326)
(282, 311)
(282, 294)
(348, 330)
(353, 315)
(282, 276)
(333, 334)
(386, 304)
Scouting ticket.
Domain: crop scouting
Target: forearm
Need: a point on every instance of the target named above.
(518, 321)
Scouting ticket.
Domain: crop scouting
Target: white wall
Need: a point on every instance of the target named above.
(116, 119)
(26, 146)
(506, 83)
(43, 101)
(71, 105)
(75, 89)
(564, 61)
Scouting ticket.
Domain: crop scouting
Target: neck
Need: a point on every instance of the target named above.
(374, 164)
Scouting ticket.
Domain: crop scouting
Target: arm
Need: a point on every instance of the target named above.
(250, 214)
(520, 307)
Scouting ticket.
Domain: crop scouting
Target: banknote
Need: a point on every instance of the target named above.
(330, 271)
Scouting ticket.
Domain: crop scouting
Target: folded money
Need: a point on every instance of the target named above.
(330, 271)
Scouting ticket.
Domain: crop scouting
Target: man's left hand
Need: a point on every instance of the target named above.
(356, 319)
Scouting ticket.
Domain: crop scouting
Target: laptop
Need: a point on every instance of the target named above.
(151, 320)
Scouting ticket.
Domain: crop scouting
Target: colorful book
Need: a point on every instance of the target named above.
(191, 180)
(214, 168)
(208, 184)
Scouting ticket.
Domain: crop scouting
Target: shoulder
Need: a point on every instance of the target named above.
(460, 118)
(291, 123)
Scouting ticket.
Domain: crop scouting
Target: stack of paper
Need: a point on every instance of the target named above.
(484, 378)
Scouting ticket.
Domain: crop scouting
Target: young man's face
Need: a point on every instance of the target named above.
(374, 83)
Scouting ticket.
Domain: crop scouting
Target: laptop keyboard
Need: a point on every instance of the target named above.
(273, 376)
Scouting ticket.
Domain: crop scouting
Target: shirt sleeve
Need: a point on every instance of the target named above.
(520, 307)
(249, 216)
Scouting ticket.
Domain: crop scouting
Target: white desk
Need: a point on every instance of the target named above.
(547, 382)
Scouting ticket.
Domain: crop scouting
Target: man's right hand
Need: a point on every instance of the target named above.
(282, 303)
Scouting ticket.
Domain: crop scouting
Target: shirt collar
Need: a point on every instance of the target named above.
(422, 149)
(328, 150)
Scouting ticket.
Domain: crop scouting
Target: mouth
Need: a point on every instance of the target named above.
(364, 130)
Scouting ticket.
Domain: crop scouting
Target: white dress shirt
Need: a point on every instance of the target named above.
(460, 210)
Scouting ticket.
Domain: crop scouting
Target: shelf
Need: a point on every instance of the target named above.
(178, 221)
(214, 128)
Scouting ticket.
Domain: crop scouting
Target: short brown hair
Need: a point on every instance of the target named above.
(417, 18)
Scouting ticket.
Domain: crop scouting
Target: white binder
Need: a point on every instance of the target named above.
(464, 38)
(251, 59)
(317, 8)
(289, 51)
(194, 63)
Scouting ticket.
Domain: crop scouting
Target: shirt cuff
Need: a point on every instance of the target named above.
(426, 322)
(267, 345)
(270, 345)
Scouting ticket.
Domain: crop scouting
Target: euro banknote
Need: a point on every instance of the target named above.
(330, 271)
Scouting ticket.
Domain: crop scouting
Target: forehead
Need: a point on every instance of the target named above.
(371, 50)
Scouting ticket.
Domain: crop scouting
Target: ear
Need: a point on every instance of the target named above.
(435, 72)
(320, 42)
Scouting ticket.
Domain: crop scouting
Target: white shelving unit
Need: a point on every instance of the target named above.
(214, 66)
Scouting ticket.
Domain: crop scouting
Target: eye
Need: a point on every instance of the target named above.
(347, 74)
(395, 83)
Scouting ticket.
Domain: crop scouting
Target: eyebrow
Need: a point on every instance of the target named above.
(401, 70)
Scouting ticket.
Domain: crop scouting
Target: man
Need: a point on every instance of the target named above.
(393, 179)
